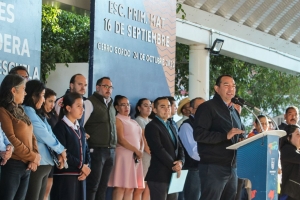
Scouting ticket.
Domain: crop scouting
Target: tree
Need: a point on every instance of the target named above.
(65, 38)
(270, 90)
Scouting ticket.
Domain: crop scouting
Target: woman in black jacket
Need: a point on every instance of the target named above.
(290, 161)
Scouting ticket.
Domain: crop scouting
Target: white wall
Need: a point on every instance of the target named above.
(59, 79)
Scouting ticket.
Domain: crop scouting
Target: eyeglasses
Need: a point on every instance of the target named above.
(125, 105)
(107, 87)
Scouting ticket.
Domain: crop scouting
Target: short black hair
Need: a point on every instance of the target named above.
(289, 129)
(259, 117)
(158, 99)
(17, 68)
(171, 99)
(292, 107)
(218, 81)
(99, 81)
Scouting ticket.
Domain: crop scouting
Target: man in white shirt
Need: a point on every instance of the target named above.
(192, 189)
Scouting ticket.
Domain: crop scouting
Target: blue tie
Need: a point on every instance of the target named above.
(170, 132)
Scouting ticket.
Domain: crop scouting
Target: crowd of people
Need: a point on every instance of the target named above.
(74, 148)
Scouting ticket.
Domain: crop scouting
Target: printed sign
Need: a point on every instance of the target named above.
(133, 42)
(20, 36)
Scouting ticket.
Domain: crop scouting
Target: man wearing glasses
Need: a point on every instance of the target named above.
(101, 126)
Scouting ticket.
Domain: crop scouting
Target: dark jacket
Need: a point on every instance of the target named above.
(282, 126)
(101, 125)
(163, 151)
(213, 120)
(77, 149)
(52, 119)
(290, 162)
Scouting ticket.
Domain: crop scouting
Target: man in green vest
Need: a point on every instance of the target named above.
(101, 126)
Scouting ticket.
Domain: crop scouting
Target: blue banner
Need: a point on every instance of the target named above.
(20, 36)
(133, 42)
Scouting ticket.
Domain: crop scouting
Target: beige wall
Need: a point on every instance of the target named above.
(59, 79)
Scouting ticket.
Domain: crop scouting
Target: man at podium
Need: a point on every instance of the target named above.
(217, 126)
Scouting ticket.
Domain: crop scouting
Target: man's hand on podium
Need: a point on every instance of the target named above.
(233, 132)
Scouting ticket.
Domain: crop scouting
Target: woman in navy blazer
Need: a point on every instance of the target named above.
(70, 183)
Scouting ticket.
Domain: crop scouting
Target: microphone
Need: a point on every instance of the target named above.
(241, 102)
(244, 104)
(236, 101)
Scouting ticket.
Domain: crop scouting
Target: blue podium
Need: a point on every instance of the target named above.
(257, 160)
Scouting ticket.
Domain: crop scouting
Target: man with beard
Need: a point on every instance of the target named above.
(78, 84)
(101, 125)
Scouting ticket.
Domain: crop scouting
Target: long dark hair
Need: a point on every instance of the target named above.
(289, 129)
(139, 104)
(48, 93)
(117, 100)
(34, 88)
(7, 98)
(68, 100)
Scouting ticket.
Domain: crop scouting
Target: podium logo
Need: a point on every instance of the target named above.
(273, 147)
(271, 194)
(272, 163)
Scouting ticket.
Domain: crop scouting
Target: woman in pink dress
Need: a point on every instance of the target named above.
(127, 172)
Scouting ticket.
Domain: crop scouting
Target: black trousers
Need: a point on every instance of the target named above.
(102, 161)
(14, 180)
(159, 191)
(38, 183)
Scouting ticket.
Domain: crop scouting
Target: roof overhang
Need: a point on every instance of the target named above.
(246, 26)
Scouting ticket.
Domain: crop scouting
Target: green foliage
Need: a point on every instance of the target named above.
(182, 69)
(180, 9)
(270, 90)
(65, 38)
